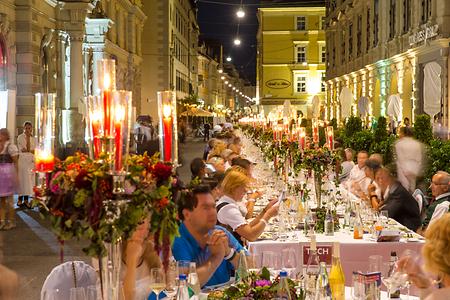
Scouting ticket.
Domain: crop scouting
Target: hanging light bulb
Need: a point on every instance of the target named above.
(229, 58)
(237, 41)
(240, 13)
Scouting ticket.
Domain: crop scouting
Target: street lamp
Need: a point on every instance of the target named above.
(240, 13)
(237, 41)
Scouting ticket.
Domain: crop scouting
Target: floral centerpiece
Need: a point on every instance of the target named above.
(257, 287)
(79, 187)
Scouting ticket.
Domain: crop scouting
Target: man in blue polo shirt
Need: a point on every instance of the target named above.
(212, 247)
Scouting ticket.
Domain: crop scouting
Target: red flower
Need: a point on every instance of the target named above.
(163, 202)
(161, 171)
(57, 212)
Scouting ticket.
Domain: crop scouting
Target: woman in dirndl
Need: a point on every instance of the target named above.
(26, 145)
(8, 179)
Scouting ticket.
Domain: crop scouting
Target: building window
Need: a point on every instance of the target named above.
(376, 6)
(368, 30)
(301, 23)
(343, 48)
(323, 85)
(392, 16)
(300, 83)
(300, 54)
(426, 10)
(406, 15)
(323, 54)
(359, 36)
(350, 41)
(322, 23)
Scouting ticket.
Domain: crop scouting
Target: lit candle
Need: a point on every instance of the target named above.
(301, 138)
(119, 118)
(96, 128)
(330, 137)
(44, 161)
(315, 131)
(167, 123)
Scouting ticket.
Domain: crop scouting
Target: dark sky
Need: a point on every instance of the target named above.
(218, 20)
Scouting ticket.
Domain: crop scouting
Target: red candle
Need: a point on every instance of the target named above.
(301, 138)
(119, 144)
(44, 162)
(330, 136)
(167, 122)
(96, 134)
(107, 112)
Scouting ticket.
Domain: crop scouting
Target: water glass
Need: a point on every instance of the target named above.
(268, 259)
(77, 294)
(375, 262)
(289, 262)
(254, 262)
(91, 292)
(384, 216)
(183, 267)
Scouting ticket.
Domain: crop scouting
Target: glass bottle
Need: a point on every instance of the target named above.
(358, 227)
(392, 265)
(193, 280)
(242, 270)
(283, 290)
(312, 270)
(182, 291)
(337, 277)
(328, 222)
(323, 290)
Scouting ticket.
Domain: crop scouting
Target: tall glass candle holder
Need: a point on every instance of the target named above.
(167, 112)
(106, 73)
(302, 138)
(330, 137)
(45, 112)
(315, 131)
(95, 125)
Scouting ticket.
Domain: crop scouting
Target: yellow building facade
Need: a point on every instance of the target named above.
(291, 57)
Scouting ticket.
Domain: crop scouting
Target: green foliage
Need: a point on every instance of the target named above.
(422, 129)
(361, 140)
(439, 158)
(385, 148)
(380, 133)
(352, 126)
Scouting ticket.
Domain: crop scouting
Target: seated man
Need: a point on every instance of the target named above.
(212, 247)
(399, 203)
(440, 190)
(357, 180)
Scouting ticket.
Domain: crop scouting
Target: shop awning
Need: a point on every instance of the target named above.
(394, 108)
(363, 106)
(346, 99)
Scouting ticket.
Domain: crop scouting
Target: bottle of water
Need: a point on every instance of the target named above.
(323, 290)
(182, 291)
(193, 280)
(312, 270)
(242, 270)
(329, 222)
(283, 291)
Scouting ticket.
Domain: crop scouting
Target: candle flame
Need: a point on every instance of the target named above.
(167, 111)
(119, 113)
(96, 116)
(43, 155)
(107, 81)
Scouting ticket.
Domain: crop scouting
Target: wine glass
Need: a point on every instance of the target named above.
(384, 216)
(157, 281)
(385, 278)
(77, 294)
(312, 219)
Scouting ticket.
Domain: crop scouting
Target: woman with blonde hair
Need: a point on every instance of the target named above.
(234, 188)
(436, 254)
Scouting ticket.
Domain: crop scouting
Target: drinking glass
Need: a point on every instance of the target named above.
(183, 267)
(254, 262)
(375, 262)
(268, 260)
(289, 262)
(157, 281)
(384, 216)
(77, 294)
(312, 222)
(91, 292)
(54, 294)
(172, 279)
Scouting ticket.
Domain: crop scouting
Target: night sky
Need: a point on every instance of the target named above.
(218, 20)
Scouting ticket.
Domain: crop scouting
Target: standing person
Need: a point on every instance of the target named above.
(206, 128)
(8, 179)
(26, 144)
(410, 156)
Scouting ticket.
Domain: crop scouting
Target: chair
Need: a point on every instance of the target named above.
(68, 275)
(421, 200)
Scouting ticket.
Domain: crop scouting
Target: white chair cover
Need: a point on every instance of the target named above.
(62, 278)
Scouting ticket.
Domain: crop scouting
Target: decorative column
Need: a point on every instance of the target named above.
(96, 29)
(72, 16)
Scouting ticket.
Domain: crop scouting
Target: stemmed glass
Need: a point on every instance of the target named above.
(310, 219)
(157, 281)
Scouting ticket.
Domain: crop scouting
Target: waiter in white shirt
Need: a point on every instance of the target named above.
(358, 181)
(26, 144)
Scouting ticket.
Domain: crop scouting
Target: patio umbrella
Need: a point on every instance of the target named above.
(363, 106)
(394, 108)
(346, 98)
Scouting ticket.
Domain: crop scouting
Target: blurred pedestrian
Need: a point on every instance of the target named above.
(8, 179)
(206, 128)
(26, 144)
(410, 159)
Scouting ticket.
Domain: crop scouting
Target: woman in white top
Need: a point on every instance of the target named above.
(436, 254)
(26, 144)
(229, 215)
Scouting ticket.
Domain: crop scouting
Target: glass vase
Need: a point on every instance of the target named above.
(110, 270)
(318, 188)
